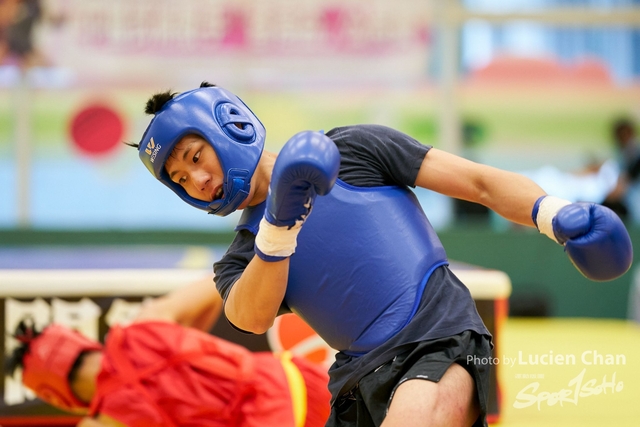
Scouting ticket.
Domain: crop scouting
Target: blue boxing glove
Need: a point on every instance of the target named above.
(306, 166)
(593, 236)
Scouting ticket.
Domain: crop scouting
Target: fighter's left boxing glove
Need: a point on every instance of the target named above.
(306, 166)
(593, 236)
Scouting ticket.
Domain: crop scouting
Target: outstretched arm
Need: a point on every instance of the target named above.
(507, 193)
(594, 238)
(196, 305)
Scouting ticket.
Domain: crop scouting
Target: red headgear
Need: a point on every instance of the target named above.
(48, 362)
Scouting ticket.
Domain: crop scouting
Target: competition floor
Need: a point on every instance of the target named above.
(553, 372)
(597, 384)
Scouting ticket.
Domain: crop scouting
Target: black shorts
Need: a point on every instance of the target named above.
(367, 403)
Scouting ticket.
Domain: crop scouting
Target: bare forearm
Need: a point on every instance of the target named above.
(512, 196)
(254, 300)
(197, 305)
(507, 193)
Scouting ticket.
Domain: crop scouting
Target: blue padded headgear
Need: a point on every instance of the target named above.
(212, 113)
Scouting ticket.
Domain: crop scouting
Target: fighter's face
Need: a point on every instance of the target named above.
(194, 165)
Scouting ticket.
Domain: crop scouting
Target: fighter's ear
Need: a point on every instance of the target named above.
(157, 101)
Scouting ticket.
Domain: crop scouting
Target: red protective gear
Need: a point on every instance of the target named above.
(160, 374)
(48, 362)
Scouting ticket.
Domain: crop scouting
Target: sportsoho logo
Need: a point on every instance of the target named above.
(152, 149)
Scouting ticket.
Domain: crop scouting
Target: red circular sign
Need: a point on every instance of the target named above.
(96, 129)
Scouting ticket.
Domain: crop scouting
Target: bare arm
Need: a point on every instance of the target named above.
(101, 421)
(507, 193)
(254, 300)
(196, 305)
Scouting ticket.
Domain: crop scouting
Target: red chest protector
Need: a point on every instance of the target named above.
(162, 374)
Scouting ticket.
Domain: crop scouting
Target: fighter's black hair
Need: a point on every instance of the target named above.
(157, 101)
(25, 332)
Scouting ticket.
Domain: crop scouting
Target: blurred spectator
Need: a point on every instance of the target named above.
(623, 199)
(590, 184)
(18, 21)
(8, 11)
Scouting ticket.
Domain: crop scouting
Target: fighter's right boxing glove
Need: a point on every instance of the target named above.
(306, 166)
(593, 236)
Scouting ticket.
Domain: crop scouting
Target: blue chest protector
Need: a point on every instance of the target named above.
(362, 262)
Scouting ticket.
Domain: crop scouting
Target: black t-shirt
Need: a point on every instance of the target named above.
(370, 156)
(373, 156)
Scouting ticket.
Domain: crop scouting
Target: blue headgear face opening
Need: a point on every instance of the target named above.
(225, 122)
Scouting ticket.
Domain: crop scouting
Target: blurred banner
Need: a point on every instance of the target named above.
(154, 40)
(502, 84)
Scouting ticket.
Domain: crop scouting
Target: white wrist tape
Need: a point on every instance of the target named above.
(549, 207)
(277, 241)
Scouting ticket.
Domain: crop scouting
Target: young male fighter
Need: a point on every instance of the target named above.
(361, 264)
(158, 373)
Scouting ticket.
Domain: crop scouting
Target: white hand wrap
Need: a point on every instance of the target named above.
(549, 207)
(277, 241)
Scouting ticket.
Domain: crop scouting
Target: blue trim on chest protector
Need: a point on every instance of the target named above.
(364, 255)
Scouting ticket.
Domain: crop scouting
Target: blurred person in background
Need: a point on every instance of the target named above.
(624, 199)
(331, 231)
(18, 22)
(8, 11)
(163, 370)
